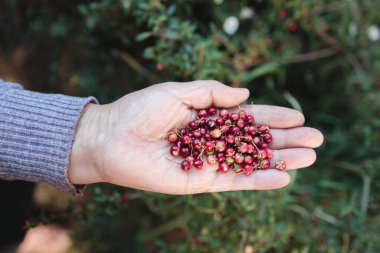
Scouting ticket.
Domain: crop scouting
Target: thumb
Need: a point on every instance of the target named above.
(202, 94)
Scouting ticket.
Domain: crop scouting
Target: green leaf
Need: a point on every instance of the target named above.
(262, 70)
(143, 36)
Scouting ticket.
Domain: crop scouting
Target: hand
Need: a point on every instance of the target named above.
(122, 142)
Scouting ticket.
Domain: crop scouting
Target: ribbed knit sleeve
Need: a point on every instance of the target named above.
(36, 135)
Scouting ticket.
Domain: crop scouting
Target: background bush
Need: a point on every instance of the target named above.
(321, 57)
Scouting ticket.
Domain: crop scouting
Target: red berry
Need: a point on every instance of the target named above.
(172, 137)
(249, 148)
(265, 164)
(174, 150)
(197, 144)
(185, 151)
(186, 139)
(190, 159)
(248, 138)
(243, 148)
(238, 168)
(193, 125)
(183, 131)
(216, 133)
(255, 165)
(220, 121)
(248, 169)
(230, 139)
(228, 122)
(202, 113)
(230, 152)
(264, 129)
(160, 67)
(240, 123)
(293, 27)
(257, 141)
(207, 136)
(220, 157)
(211, 124)
(243, 114)
(220, 146)
(229, 160)
(252, 130)
(250, 119)
(209, 145)
(235, 130)
(198, 164)
(262, 154)
(223, 113)
(248, 159)
(211, 110)
(202, 130)
(281, 13)
(280, 165)
(197, 134)
(234, 116)
(202, 122)
(264, 145)
(223, 167)
(211, 159)
(185, 165)
(180, 143)
(267, 138)
(239, 158)
(195, 153)
(225, 129)
(269, 153)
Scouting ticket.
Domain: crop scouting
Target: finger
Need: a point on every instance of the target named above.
(258, 180)
(275, 116)
(202, 94)
(300, 137)
(295, 158)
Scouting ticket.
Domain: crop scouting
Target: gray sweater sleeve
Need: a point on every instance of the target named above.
(36, 135)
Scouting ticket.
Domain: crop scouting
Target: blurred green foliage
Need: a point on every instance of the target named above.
(321, 57)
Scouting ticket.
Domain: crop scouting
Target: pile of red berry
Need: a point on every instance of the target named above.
(232, 140)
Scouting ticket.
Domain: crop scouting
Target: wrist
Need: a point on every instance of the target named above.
(82, 164)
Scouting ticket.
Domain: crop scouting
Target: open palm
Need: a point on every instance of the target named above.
(132, 151)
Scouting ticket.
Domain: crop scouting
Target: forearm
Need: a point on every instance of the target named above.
(36, 135)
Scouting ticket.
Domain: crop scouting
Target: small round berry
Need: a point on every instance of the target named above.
(195, 153)
(202, 113)
(255, 165)
(202, 130)
(219, 121)
(242, 114)
(197, 144)
(186, 139)
(180, 144)
(257, 141)
(223, 167)
(239, 158)
(207, 136)
(228, 122)
(269, 153)
(211, 159)
(183, 131)
(248, 138)
(235, 130)
(220, 157)
(220, 146)
(223, 113)
(229, 160)
(264, 145)
(267, 138)
(211, 110)
(262, 154)
(193, 125)
(185, 165)
(225, 129)
(248, 159)
(211, 124)
(190, 159)
(202, 122)
(249, 148)
(175, 150)
(240, 123)
(230, 152)
(265, 164)
(185, 152)
(264, 129)
(197, 134)
(243, 148)
(280, 165)
(252, 130)
(198, 164)
(234, 116)
(230, 139)
(209, 145)
(216, 133)
(172, 137)
(248, 169)
(250, 119)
